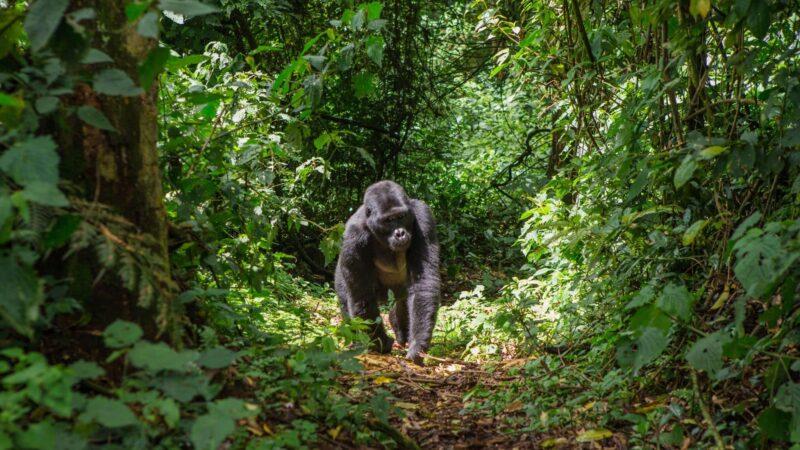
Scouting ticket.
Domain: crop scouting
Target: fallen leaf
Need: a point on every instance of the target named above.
(382, 380)
(593, 435)
(587, 406)
(334, 432)
(267, 429)
(514, 406)
(406, 405)
(554, 442)
(721, 300)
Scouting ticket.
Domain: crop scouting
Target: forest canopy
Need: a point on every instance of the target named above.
(616, 188)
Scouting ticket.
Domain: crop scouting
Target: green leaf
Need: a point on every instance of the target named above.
(86, 370)
(210, 430)
(691, 233)
(643, 297)
(157, 357)
(746, 225)
(152, 66)
(8, 100)
(148, 26)
(121, 334)
(649, 346)
(46, 105)
(20, 296)
(115, 82)
(774, 424)
(134, 10)
(60, 232)
(373, 10)
(187, 8)
(216, 358)
(761, 261)
(758, 19)
(712, 152)
(169, 410)
(44, 194)
(706, 353)
(5, 209)
(95, 118)
(30, 161)
(110, 413)
(788, 399)
(40, 436)
(700, 7)
(95, 56)
(42, 20)
(363, 84)
(375, 45)
(676, 300)
(685, 171)
(232, 407)
(649, 316)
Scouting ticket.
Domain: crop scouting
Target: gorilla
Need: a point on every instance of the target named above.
(390, 243)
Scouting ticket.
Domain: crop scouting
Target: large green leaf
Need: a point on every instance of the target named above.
(115, 82)
(110, 413)
(649, 346)
(20, 296)
(685, 171)
(210, 430)
(121, 334)
(42, 21)
(44, 194)
(788, 399)
(159, 356)
(216, 358)
(761, 261)
(706, 353)
(375, 46)
(187, 8)
(32, 160)
(676, 301)
(95, 118)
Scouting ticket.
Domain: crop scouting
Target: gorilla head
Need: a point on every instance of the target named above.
(389, 216)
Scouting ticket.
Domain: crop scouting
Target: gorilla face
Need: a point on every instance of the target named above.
(389, 217)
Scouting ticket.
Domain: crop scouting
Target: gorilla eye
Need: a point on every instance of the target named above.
(369, 211)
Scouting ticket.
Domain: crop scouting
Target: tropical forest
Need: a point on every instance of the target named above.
(399, 224)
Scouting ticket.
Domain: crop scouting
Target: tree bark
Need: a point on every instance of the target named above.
(119, 170)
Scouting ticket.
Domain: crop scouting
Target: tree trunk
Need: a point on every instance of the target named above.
(119, 170)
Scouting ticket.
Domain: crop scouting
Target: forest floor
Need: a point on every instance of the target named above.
(434, 399)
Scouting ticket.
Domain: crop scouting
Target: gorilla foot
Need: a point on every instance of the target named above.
(383, 345)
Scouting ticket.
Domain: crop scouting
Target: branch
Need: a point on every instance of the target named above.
(355, 123)
(582, 30)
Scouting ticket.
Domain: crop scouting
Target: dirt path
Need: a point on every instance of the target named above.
(432, 398)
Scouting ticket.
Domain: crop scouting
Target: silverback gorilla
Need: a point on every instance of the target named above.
(390, 243)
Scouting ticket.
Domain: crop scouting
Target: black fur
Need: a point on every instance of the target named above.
(390, 243)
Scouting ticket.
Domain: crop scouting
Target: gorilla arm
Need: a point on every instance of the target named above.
(424, 283)
(357, 282)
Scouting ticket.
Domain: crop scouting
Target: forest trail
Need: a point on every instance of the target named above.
(435, 397)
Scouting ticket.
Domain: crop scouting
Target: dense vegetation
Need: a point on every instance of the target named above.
(616, 185)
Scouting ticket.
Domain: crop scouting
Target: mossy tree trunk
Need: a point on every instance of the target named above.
(119, 170)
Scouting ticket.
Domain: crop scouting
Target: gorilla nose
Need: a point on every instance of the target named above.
(400, 233)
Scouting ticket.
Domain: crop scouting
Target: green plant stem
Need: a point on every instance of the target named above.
(705, 411)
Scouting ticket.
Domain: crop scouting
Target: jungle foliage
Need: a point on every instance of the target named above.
(616, 185)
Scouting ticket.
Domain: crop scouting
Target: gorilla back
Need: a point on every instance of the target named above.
(390, 243)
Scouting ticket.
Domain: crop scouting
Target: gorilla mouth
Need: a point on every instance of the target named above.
(399, 244)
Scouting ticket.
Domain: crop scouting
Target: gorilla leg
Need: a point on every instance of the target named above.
(399, 316)
(422, 320)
